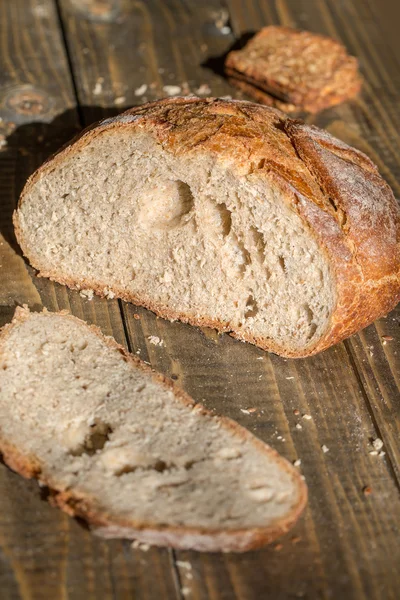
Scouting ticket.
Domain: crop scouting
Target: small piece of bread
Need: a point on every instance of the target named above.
(220, 213)
(294, 70)
(124, 449)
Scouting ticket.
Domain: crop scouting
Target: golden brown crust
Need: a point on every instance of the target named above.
(334, 188)
(256, 93)
(299, 68)
(81, 505)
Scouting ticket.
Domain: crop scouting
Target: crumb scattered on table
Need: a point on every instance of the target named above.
(205, 90)
(88, 294)
(109, 294)
(141, 90)
(184, 564)
(137, 545)
(172, 90)
(98, 88)
(155, 340)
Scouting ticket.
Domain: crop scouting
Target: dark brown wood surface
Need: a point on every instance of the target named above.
(66, 63)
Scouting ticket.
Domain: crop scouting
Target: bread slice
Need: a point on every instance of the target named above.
(218, 213)
(294, 70)
(124, 449)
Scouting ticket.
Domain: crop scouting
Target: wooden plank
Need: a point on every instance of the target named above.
(43, 553)
(346, 545)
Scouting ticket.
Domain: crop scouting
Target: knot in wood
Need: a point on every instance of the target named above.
(27, 102)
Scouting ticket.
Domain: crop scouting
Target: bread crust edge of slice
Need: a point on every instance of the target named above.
(260, 94)
(81, 505)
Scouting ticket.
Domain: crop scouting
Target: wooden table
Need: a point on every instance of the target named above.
(66, 63)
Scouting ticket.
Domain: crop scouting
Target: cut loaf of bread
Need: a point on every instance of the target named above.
(124, 449)
(219, 213)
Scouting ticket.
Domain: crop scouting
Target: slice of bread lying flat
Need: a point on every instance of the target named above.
(294, 70)
(124, 449)
(220, 213)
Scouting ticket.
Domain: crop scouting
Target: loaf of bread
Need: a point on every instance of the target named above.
(219, 213)
(124, 449)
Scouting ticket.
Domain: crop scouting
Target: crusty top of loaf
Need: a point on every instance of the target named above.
(338, 179)
(336, 189)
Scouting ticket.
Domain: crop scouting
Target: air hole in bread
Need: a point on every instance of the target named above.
(312, 330)
(309, 317)
(282, 263)
(246, 258)
(215, 216)
(165, 206)
(226, 218)
(261, 164)
(309, 313)
(257, 243)
(125, 469)
(160, 466)
(251, 307)
(94, 440)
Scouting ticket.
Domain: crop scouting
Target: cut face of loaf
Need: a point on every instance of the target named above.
(219, 213)
(124, 449)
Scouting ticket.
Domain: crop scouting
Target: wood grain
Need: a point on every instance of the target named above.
(346, 545)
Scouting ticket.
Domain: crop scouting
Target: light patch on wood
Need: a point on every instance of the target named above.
(16, 284)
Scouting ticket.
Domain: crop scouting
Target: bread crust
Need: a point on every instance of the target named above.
(78, 504)
(335, 189)
(257, 93)
(299, 69)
